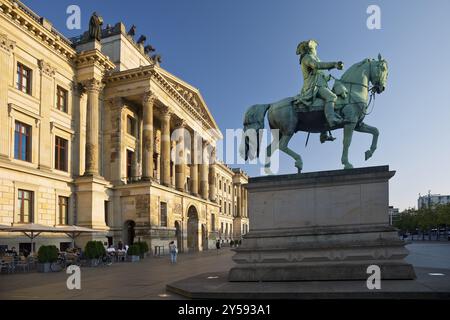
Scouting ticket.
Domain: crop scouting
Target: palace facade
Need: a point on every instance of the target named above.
(91, 133)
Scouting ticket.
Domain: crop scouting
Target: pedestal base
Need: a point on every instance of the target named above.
(321, 254)
(320, 226)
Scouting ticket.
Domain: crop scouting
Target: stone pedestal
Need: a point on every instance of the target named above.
(327, 225)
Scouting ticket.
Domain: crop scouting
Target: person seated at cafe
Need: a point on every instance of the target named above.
(26, 253)
(12, 252)
(111, 249)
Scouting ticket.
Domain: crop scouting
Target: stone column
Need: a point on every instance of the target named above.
(238, 199)
(116, 140)
(212, 176)
(180, 156)
(157, 151)
(79, 115)
(93, 88)
(242, 202)
(246, 203)
(147, 154)
(165, 146)
(6, 48)
(195, 151)
(45, 141)
(204, 172)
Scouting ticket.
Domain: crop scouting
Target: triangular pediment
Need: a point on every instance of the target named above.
(191, 95)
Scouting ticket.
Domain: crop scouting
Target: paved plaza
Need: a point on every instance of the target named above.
(148, 279)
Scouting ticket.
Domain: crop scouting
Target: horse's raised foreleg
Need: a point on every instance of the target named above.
(374, 132)
(284, 140)
(348, 133)
(271, 148)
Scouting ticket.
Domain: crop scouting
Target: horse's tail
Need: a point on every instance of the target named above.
(251, 137)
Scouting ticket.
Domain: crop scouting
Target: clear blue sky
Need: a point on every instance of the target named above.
(242, 52)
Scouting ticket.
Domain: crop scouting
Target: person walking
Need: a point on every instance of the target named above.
(218, 246)
(173, 252)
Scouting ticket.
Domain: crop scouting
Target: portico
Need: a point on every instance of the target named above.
(170, 149)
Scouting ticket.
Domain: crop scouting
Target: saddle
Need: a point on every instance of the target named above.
(319, 104)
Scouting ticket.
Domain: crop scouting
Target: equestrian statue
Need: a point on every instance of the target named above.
(317, 109)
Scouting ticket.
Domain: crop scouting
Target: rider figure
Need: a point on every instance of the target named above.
(316, 81)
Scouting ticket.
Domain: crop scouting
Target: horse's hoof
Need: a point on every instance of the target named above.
(268, 171)
(348, 166)
(368, 154)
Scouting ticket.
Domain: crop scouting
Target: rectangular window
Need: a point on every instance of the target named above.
(155, 164)
(131, 126)
(22, 142)
(130, 155)
(60, 154)
(188, 184)
(225, 207)
(107, 213)
(220, 204)
(213, 222)
(25, 206)
(61, 99)
(229, 208)
(23, 78)
(63, 204)
(163, 214)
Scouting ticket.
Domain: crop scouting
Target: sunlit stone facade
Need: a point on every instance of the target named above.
(90, 134)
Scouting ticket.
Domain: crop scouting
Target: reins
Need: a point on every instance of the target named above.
(369, 89)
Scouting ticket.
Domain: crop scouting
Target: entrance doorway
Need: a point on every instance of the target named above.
(192, 229)
(130, 232)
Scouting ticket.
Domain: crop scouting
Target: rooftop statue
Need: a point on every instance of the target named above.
(132, 31)
(95, 27)
(141, 40)
(317, 109)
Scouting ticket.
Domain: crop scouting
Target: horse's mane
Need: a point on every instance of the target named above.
(351, 70)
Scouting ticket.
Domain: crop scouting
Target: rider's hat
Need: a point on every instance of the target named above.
(304, 46)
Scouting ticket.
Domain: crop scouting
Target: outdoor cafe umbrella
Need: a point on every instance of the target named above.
(73, 231)
(33, 230)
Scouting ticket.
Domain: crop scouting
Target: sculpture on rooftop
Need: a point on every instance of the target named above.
(156, 58)
(141, 39)
(149, 49)
(95, 27)
(310, 112)
(132, 31)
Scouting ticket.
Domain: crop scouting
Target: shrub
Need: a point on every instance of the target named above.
(47, 254)
(101, 251)
(134, 250)
(143, 247)
(94, 249)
